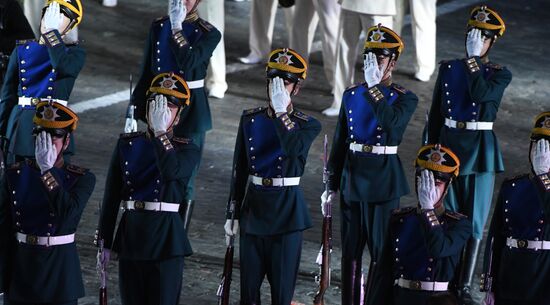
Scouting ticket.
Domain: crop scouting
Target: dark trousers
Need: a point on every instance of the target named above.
(150, 282)
(278, 258)
(362, 223)
(500, 301)
(8, 302)
(198, 138)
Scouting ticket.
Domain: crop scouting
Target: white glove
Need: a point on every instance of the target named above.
(230, 231)
(280, 98)
(541, 157)
(474, 43)
(373, 75)
(177, 12)
(159, 114)
(130, 125)
(327, 198)
(53, 18)
(489, 298)
(428, 194)
(44, 151)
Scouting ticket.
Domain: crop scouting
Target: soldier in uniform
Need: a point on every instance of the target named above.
(363, 162)
(148, 176)
(183, 43)
(424, 243)
(270, 155)
(40, 70)
(13, 26)
(517, 256)
(466, 99)
(41, 202)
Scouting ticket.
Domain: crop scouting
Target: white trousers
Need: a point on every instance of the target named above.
(262, 22)
(213, 12)
(423, 15)
(349, 30)
(307, 15)
(33, 11)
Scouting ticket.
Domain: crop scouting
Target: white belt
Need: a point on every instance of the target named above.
(33, 101)
(469, 125)
(44, 240)
(292, 181)
(528, 244)
(196, 84)
(150, 206)
(421, 285)
(379, 150)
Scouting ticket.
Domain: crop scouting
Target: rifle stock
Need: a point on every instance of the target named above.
(225, 284)
(323, 279)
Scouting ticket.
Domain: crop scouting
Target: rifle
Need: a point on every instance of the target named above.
(130, 125)
(489, 279)
(225, 284)
(101, 266)
(425, 131)
(323, 259)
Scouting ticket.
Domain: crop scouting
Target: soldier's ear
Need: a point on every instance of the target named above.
(67, 141)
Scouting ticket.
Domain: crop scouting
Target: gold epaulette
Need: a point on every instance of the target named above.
(205, 25)
(494, 66)
(353, 86)
(399, 88)
(161, 19)
(24, 41)
(253, 110)
(182, 140)
(76, 169)
(302, 116)
(455, 215)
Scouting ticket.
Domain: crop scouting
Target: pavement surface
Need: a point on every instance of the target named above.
(114, 40)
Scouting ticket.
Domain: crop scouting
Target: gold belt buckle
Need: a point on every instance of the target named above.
(522, 243)
(460, 125)
(267, 181)
(139, 205)
(367, 148)
(416, 285)
(35, 101)
(31, 240)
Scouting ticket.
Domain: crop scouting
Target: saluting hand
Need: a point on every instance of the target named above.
(541, 157)
(44, 151)
(53, 18)
(159, 115)
(428, 194)
(280, 98)
(177, 12)
(373, 75)
(474, 43)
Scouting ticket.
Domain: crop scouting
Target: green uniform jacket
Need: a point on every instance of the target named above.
(456, 88)
(270, 147)
(365, 176)
(420, 246)
(39, 274)
(522, 212)
(146, 169)
(190, 61)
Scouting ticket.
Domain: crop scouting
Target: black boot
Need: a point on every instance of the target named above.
(186, 211)
(351, 281)
(467, 272)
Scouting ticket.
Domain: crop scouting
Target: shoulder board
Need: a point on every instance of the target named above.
(182, 140)
(399, 89)
(302, 116)
(494, 66)
(131, 135)
(205, 25)
(403, 211)
(24, 41)
(253, 110)
(353, 86)
(161, 19)
(516, 178)
(76, 169)
(455, 215)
